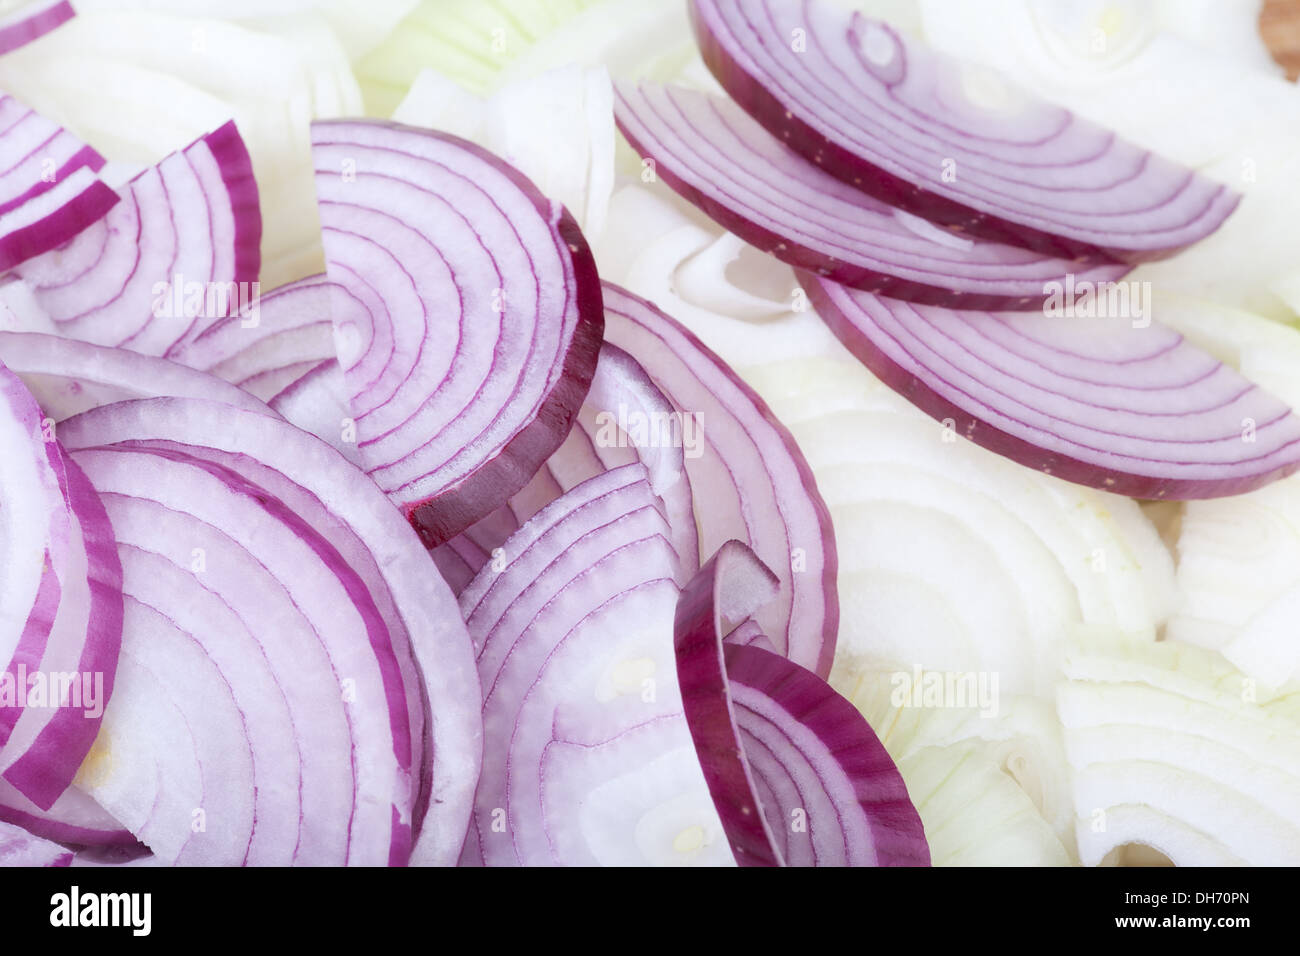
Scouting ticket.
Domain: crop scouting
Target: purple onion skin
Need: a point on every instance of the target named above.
(1091, 474)
(30, 28)
(758, 101)
(846, 273)
(440, 518)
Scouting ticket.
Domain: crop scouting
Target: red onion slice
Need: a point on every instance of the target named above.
(53, 217)
(731, 585)
(260, 686)
(712, 153)
(798, 775)
(587, 755)
(828, 785)
(1137, 411)
(180, 252)
(68, 377)
(20, 848)
(39, 152)
(750, 481)
(468, 316)
(48, 743)
(930, 135)
(31, 21)
(336, 499)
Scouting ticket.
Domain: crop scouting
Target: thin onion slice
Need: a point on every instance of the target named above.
(68, 377)
(588, 758)
(938, 138)
(53, 217)
(749, 478)
(74, 820)
(40, 153)
(180, 252)
(468, 316)
(31, 21)
(1136, 411)
(339, 502)
(798, 775)
(717, 157)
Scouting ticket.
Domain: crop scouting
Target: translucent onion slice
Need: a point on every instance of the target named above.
(749, 478)
(588, 758)
(712, 153)
(20, 848)
(31, 20)
(330, 494)
(1135, 411)
(431, 241)
(180, 252)
(947, 141)
(1174, 751)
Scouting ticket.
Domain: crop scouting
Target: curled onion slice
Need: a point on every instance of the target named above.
(945, 141)
(53, 217)
(433, 241)
(712, 153)
(180, 252)
(588, 758)
(797, 773)
(74, 820)
(749, 478)
(1140, 412)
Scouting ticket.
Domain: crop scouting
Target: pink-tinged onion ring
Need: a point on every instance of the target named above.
(179, 253)
(716, 156)
(468, 316)
(924, 132)
(750, 480)
(1137, 411)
